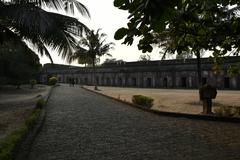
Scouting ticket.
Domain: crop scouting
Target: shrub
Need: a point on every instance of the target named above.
(236, 111)
(227, 111)
(142, 100)
(32, 120)
(32, 83)
(40, 103)
(52, 81)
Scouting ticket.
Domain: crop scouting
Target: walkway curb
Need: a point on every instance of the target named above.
(173, 114)
(24, 148)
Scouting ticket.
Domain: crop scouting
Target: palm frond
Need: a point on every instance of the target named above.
(68, 5)
(71, 24)
(7, 35)
(42, 49)
(92, 46)
(105, 49)
(81, 53)
(21, 19)
(24, 17)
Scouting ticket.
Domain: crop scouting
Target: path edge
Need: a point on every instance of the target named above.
(23, 150)
(172, 114)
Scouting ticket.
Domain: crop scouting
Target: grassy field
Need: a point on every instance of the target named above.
(173, 100)
(16, 105)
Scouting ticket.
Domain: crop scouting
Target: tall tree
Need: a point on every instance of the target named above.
(18, 63)
(183, 26)
(185, 55)
(92, 47)
(27, 20)
(188, 21)
(144, 57)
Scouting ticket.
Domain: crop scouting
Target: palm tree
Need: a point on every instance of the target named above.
(26, 20)
(90, 49)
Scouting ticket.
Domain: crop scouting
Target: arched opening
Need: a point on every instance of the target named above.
(134, 82)
(108, 82)
(119, 81)
(85, 80)
(204, 80)
(226, 82)
(183, 82)
(165, 82)
(149, 82)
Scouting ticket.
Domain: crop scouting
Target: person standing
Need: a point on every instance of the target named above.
(73, 82)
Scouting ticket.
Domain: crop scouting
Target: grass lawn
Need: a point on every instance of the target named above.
(16, 105)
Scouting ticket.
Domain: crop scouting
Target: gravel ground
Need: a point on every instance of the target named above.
(11, 95)
(84, 126)
(173, 100)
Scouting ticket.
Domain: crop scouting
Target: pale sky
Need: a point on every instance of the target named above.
(104, 15)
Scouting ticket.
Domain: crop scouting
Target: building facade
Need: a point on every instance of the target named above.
(151, 74)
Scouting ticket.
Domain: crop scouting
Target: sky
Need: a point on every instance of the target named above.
(109, 18)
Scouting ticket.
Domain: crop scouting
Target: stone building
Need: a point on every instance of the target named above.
(181, 73)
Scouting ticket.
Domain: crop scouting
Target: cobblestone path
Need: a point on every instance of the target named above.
(84, 126)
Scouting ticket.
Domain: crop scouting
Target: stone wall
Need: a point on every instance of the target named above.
(153, 74)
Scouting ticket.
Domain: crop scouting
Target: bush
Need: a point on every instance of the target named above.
(32, 120)
(40, 103)
(142, 100)
(236, 111)
(227, 111)
(52, 81)
(32, 82)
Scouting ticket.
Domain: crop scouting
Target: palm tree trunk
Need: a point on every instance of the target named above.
(199, 69)
(199, 72)
(94, 75)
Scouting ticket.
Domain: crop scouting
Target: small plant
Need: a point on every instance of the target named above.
(236, 111)
(142, 100)
(227, 111)
(32, 82)
(52, 81)
(32, 120)
(40, 103)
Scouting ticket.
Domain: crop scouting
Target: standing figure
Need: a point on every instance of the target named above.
(70, 82)
(73, 82)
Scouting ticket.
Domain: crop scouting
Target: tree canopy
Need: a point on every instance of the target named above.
(91, 47)
(144, 57)
(183, 25)
(18, 63)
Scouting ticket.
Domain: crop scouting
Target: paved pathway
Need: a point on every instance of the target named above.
(84, 126)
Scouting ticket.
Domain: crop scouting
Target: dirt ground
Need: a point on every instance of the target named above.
(16, 105)
(173, 100)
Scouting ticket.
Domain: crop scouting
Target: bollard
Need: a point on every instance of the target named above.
(207, 106)
(207, 93)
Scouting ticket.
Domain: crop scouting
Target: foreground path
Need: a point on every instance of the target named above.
(82, 125)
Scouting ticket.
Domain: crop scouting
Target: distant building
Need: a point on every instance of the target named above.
(181, 73)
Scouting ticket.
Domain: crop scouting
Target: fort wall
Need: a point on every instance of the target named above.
(151, 74)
